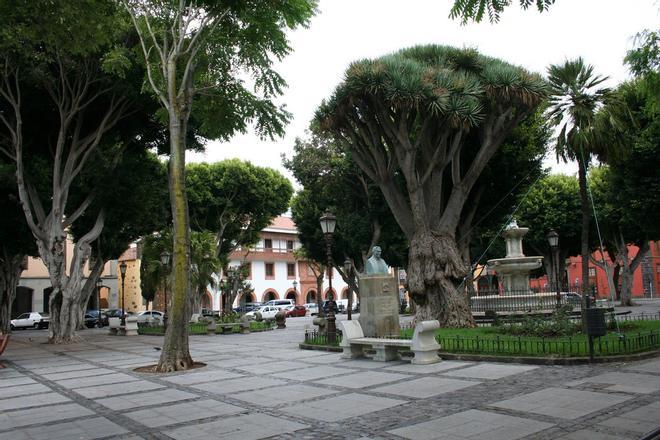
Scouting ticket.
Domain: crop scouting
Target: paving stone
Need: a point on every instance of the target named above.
(312, 373)
(271, 367)
(80, 429)
(276, 396)
(640, 420)
(429, 368)
(145, 399)
(92, 381)
(425, 387)
(15, 381)
(32, 401)
(343, 407)
(247, 427)
(363, 379)
(23, 390)
(60, 368)
(116, 389)
(201, 377)
(363, 363)
(334, 358)
(231, 386)
(77, 374)
(473, 424)
(33, 416)
(562, 403)
(490, 371)
(626, 382)
(238, 361)
(648, 367)
(8, 373)
(587, 434)
(183, 412)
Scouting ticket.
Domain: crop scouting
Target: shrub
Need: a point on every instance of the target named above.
(559, 324)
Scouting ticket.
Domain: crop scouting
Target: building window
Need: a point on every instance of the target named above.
(291, 270)
(268, 243)
(592, 271)
(270, 271)
(289, 245)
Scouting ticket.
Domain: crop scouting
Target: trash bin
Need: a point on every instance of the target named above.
(596, 322)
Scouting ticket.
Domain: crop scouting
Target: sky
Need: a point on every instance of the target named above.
(601, 31)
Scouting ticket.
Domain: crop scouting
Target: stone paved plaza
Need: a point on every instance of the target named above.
(262, 386)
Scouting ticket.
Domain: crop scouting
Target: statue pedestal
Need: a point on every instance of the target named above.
(379, 306)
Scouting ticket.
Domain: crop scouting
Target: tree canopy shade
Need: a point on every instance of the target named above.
(475, 10)
(195, 53)
(423, 123)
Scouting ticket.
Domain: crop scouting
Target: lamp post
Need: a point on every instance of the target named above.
(348, 268)
(165, 261)
(553, 241)
(98, 302)
(328, 222)
(295, 290)
(122, 269)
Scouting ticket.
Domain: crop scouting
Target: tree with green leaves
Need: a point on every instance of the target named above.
(236, 200)
(16, 242)
(475, 10)
(586, 129)
(193, 51)
(64, 96)
(332, 180)
(153, 275)
(409, 120)
(204, 265)
(133, 195)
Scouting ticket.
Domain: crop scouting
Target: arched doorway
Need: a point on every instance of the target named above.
(269, 295)
(246, 298)
(311, 296)
(344, 293)
(291, 294)
(22, 302)
(206, 301)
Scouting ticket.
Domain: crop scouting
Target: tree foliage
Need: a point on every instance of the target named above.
(235, 200)
(475, 10)
(423, 123)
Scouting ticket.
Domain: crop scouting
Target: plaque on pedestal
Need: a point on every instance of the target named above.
(379, 306)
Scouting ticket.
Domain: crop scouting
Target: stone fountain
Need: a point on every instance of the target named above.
(514, 269)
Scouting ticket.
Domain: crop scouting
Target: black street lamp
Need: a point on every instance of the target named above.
(165, 261)
(348, 269)
(98, 302)
(122, 270)
(328, 222)
(295, 290)
(553, 241)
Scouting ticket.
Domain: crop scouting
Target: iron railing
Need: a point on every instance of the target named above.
(521, 301)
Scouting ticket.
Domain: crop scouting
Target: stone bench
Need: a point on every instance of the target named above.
(130, 329)
(423, 344)
(228, 327)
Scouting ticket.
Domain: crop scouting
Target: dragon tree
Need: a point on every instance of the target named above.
(423, 123)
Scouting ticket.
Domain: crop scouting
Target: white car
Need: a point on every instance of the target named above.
(30, 320)
(267, 312)
(150, 316)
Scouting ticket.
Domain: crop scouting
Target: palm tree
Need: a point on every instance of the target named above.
(204, 264)
(574, 103)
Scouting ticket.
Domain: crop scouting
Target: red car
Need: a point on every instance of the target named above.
(296, 311)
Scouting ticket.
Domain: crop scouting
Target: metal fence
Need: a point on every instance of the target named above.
(314, 337)
(605, 346)
(522, 301)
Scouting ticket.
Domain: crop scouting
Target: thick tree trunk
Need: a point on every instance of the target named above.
(584, 240)
(176, 352)
(436, 280)
(11, 267)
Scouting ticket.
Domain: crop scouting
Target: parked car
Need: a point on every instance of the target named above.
(150, 316)
(247, 307)
(209, 312)
(91, 321)
(267, 312)
(296, 311)
(95, 314)
(114, 313)
(30, 320)
(281, 303)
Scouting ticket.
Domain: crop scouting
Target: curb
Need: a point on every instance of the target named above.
(329, 348)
